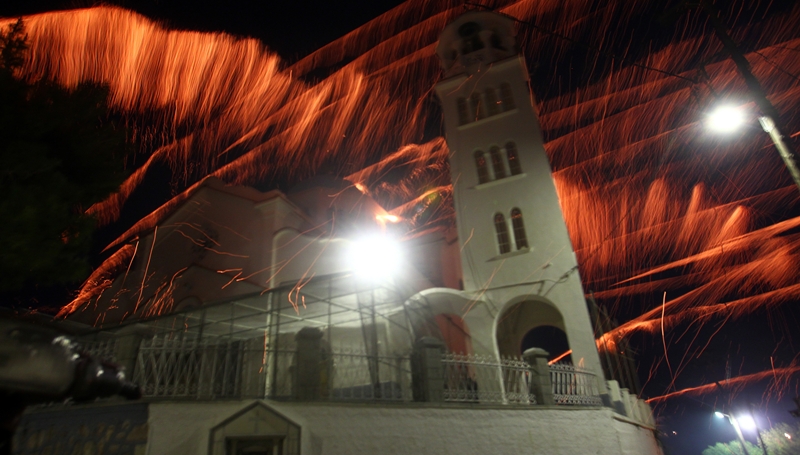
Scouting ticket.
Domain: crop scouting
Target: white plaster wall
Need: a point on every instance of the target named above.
(354, 429)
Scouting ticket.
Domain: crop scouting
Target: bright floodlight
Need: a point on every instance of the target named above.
(746, 422)
(719, 414)
(726, 119)
(374, 258)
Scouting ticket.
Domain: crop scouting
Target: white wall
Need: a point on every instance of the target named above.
(353, 429)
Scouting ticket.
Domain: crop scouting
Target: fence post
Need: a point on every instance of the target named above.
(126, 352)
(308, 364)
(427, 371)
(540, 383)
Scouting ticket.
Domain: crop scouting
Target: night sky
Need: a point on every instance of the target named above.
(295, 28)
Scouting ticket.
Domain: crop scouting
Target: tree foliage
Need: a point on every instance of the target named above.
(59, 153)
(775, 439)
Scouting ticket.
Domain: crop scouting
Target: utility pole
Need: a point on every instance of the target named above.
(770, 119)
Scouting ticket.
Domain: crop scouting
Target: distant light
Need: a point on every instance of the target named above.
(726, 119)
(746, 422)
(719, 415)
(374, 258)
(788, 436)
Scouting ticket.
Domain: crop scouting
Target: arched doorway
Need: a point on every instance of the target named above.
(529, 324)
(550, 338)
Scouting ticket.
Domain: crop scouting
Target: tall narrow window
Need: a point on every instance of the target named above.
(503, 241)
(519, 229)
(483, 169)
(497, 163)
(507, 96)
(513, 159)
(492, 106)
(463, 111)
(478, 109)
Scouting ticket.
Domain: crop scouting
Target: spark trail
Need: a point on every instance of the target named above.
(652, 203)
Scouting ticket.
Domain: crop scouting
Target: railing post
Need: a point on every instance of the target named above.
(126, 352)
(427, 371)
(308, 364)
(540, 384)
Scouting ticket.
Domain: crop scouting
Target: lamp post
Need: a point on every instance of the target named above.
(735, 424)
(770, 118)
(758, 429)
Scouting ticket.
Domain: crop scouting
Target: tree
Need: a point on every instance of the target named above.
(59, 153)
(775, 439)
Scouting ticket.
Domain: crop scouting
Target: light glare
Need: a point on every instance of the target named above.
(726, 119)
(374, 258)
(746, 422)
(718, 414)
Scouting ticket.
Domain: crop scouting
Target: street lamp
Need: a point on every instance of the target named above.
(770, 118)
(735, 424)
(726, 119)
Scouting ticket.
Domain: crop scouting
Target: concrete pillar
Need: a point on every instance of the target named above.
(626, 402)
(540, 383)
(308, 365)
(615, 397)
(427, 371)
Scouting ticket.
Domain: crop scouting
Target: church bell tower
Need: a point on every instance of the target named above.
(516, 253)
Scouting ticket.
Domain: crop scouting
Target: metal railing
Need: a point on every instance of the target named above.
(213, 368)
(358, 376)
(476, 378)
(101, 349)
(574, 385)
(187, 368)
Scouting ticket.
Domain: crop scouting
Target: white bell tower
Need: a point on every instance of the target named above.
(516, 253)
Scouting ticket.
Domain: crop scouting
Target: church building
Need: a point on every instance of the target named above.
(305, 323)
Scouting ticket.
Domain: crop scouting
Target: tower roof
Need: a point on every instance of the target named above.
(475, 39)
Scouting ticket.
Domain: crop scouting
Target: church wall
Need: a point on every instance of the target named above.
(326, 429)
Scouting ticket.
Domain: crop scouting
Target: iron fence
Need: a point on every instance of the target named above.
(188, 368)
(477, 378)
(100, 349)
(213, 368)
(574, 385)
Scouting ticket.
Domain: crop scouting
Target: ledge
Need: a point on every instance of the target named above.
(509, 255)
(487, 119)
(510, 178)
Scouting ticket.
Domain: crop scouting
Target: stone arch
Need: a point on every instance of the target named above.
(519, 317)
(437, 313)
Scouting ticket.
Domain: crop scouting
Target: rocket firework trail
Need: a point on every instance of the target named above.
(652, 202)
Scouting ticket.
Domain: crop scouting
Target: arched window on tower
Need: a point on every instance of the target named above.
(497, 163)
(507, 97)
(478, 109)
(503, 241)
(483, 168)
(513, 159)
(463, 111)
(519, 229)
(492, 107)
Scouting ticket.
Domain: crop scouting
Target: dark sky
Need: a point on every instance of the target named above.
(295, 28)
